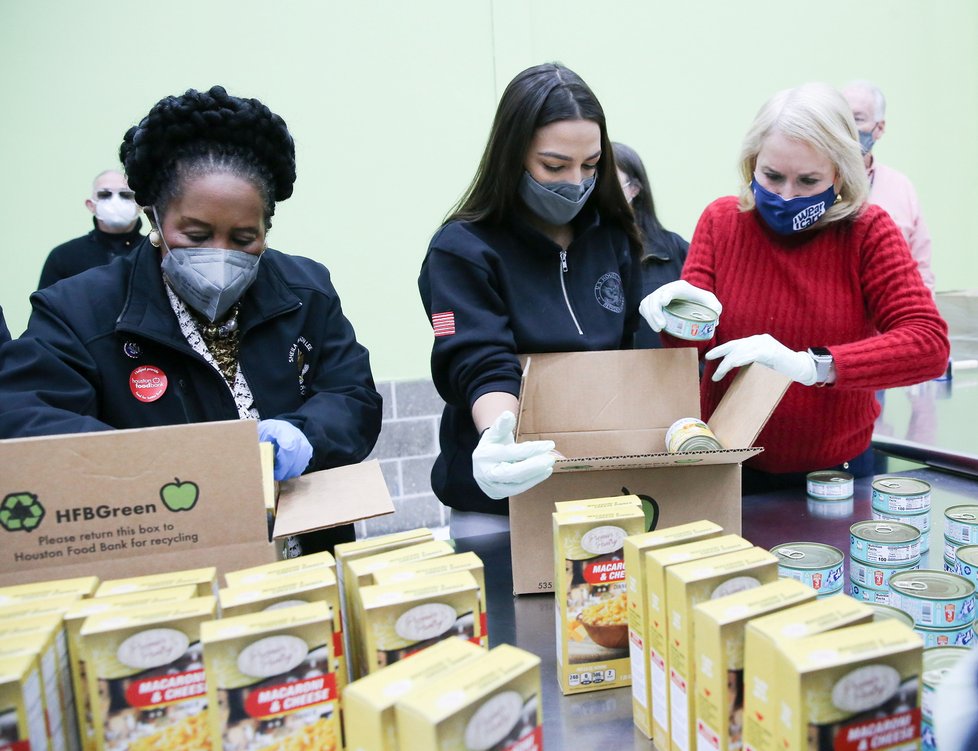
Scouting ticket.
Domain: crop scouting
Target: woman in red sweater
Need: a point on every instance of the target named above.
(815, 283)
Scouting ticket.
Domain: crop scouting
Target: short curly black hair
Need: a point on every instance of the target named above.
(202, 132)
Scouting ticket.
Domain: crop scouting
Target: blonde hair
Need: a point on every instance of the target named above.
(818, 115)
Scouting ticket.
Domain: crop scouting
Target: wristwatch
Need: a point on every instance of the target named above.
(823, 363)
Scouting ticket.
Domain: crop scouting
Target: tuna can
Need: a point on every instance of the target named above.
(928, 740)
(868, 594)
(951, 566)
(690, 320)
(819, 566)
(875, 575)
(901, 495)
(920, 521)
(966, 564)
(935, 599)
(961, 524)
(884, 542)
(946, 637)
(951, 550)
(889, 613)
(690, 434)
(829, 485)
(938, 661)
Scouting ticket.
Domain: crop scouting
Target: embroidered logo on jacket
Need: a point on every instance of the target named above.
(610, 292)
(443, 324)
(297, 356)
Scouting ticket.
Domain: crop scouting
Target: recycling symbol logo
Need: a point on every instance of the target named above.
(21, 512)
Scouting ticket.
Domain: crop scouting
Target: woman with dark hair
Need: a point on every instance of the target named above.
(663, 252)
(540, 255)
(220, 325)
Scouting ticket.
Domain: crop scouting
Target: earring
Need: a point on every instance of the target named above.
(154, 238)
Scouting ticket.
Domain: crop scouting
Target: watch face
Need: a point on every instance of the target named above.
(820, 352)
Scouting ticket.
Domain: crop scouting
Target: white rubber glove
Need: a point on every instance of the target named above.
(651, 307)
(765, 349)
(502, 467)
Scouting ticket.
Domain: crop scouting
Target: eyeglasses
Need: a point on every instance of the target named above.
(126, 195)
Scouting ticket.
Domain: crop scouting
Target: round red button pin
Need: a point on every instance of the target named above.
(147, 383)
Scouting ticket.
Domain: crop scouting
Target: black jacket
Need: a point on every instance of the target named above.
(663, 262)
(86, 252)
(4, 331)
(504, 288)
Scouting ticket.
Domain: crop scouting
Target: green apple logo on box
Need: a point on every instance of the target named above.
(21, 512)
(179, 496)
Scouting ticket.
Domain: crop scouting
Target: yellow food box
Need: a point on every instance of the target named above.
(83, 586)
(492, 702)
(402, 619)
(32, 608)
(776, 631)
(657, 562)
(75, 617)
(636, 546)
(850, 689)
(598, 504)
(205, 579)
(270, 680)
(22, 721)
(718, 627)
(687, 585)
(449, 564)
(146, 679)
(368, 703)
(288, 567)
(36, 645)
(589, 591)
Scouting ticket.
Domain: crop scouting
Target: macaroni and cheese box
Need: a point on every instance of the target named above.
(31, 608)
(687, 585)
(22, 722)
(75, 617)
(852, 688)
(598, 504)
(146, 678)
(401, 619)
(776, 631)
(590, 609)
(205, 579)
(657, 562)
(636, 546)
(449, 564)
(718, 627)
(35, 645)
(82, 586)
(368, 704)
(270, 680)
(287, 567)
(492, 702)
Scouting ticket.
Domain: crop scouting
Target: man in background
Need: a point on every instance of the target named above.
(890, 190)
(116, 231)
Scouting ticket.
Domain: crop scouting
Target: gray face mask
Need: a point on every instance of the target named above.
(210, 280)
(555, 203)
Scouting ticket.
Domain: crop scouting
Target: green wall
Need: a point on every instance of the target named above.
(390, 104)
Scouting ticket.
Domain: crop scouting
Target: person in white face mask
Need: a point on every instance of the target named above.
(116, 231)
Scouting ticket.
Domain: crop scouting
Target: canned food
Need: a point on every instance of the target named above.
(883, 612)
(961, 524)
(690, 320)
(928, 739)
(935, 599)
(963, 636)
(841, 509)
(951, 566)
(884, 542)
(938, 661)
(868, 594)
(951, 550)
(920, 521)
(812, 563)
(876, 575)
(690, 434)
(967, 563)
(829, 484)
(901, 495)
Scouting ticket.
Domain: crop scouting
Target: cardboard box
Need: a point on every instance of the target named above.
(776, 631)
(153, 500)
(636, 546)
(607, 413)
(81, 586)
(22, 722)
(204, 579)
(247, 576)
(369, 720)
(493, 702)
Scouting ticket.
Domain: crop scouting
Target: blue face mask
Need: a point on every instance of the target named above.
(793, 215)
(866, 140)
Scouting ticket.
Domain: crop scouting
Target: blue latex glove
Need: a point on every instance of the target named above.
(292, 449)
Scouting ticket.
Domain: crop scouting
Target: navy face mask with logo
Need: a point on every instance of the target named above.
(793, 215)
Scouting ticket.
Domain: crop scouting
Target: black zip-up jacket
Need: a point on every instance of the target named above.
(501, 290)
(71, 371)
(88, 251)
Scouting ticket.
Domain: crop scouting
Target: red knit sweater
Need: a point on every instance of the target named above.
(852, 287)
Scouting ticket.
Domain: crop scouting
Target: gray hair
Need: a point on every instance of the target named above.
(879, 101)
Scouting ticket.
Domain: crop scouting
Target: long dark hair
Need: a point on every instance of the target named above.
(539, 96)
(643, 205)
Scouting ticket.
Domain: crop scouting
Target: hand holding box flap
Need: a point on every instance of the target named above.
(331, 497)
(747, 405)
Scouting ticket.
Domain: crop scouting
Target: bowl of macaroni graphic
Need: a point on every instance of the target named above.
(606, 622)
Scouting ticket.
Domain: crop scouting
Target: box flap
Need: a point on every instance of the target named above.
(331, 497)
(747, 405)
(608, 390)
(642, 461)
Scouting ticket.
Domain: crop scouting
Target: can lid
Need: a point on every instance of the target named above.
(829, 475)
(927, 584)
(883, 612)
(807, 555)
(699, 443)
(965, 514)
(939, 660)
(691, 311)
(886, 532)
(901, 486)
(968, 554)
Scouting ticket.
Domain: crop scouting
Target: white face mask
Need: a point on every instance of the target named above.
(116, 213)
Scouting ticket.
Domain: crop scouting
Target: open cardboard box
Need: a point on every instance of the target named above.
(608, 413)
(130, 502)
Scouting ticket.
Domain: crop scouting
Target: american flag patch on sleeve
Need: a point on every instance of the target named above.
(443, 323)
